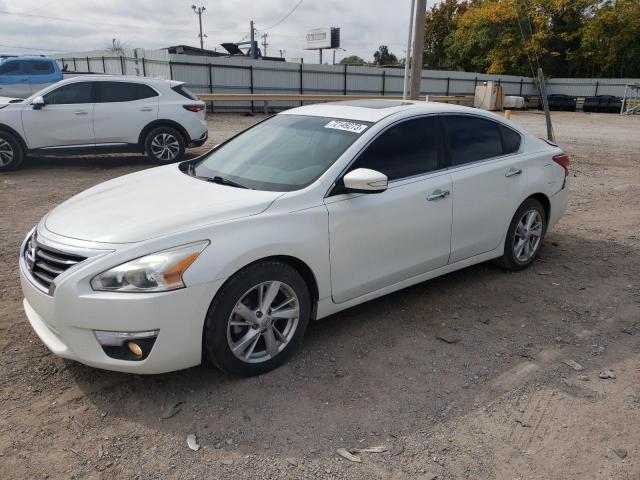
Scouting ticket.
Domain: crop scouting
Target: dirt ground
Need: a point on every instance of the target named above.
(498, 403)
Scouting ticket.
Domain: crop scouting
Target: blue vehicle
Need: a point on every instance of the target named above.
(20, 77)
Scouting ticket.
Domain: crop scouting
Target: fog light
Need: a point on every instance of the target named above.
(127, 345)
(135, 349)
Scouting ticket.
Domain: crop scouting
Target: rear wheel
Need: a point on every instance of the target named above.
(11, 153)
(164, 145)
(257, 319)
(524, 237)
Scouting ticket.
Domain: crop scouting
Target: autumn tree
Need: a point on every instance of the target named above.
(353, 60)
(439, 24)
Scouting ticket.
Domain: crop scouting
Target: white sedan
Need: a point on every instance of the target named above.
(227, 257)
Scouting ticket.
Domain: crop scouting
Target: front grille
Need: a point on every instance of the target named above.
(45, 263)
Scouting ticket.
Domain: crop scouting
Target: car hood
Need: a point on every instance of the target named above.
(152, 203)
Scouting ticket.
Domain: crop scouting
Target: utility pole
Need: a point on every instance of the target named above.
(264, 44)
(407, 57)
(418, 49)
(199, 11)
(254, 53)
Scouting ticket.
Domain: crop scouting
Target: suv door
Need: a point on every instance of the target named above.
(65, 120)
(377, 240)
(489, 179)
(122, 110)
(14, 79)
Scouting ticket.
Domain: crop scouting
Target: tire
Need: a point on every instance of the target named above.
(164, 145)
(529, 246)
(11, 152)
(249, 335)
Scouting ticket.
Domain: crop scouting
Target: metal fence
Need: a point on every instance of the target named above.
(240, 75)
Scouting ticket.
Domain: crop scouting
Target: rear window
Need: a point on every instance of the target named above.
(184, 91)
(510, 140)
(472, 139)
(41, 67)
(110, 92)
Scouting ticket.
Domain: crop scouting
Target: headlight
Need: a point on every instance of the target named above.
(158, 272)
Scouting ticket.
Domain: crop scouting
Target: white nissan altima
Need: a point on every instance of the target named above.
(229, 256)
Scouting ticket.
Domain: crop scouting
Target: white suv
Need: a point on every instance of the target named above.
(103, 113)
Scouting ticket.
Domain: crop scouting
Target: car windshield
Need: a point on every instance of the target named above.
(283, 153)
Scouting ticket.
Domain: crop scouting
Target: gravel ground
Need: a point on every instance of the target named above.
(498, 403)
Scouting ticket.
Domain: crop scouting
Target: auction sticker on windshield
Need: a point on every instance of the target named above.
(347, 126)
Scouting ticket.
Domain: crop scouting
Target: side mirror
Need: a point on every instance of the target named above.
(38, 102)
(365, 180)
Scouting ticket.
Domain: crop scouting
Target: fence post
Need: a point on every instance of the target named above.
(384, 77)
(104, 65)
(62, 62)
(597, 85)
(211, 84)
(475, 84)
(170, 70)
(301, 89)
(122, 65)
(75, 68)
(448, 79)
(251, 86)
(144, 68)
(88, 65)
(520, 87)
(344, 90)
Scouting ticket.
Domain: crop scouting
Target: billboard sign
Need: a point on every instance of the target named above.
(318, 38)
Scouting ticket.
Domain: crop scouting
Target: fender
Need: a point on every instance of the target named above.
(13, 132)
(163, 123)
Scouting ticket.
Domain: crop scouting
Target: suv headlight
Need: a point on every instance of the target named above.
(159, 272)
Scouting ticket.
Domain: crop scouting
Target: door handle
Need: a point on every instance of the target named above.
(513, 172)
(438, 194)
(146, 109)
(81, 112)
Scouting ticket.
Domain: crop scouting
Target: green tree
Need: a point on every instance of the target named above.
(384, 57)
(353, 60)
(439, 23)
(610, 40)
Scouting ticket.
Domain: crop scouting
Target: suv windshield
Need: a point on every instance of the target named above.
(283, 153)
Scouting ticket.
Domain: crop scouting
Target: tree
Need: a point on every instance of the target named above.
(439, 23)
(352, 60)
(610, 40)
(384, 57)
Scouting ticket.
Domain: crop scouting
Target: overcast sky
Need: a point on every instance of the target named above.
(75, 25)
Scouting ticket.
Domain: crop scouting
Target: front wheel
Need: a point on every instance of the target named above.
(164, 145)
(257, 319)
(11, 154)
(524, 237)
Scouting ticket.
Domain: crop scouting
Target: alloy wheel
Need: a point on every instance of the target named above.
(6, 153)
(165, 146)
(528, 236)
(263, 322)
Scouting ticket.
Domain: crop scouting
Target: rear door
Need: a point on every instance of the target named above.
(122, 110)
(65, 119)
(14, 79)
(489, 179)
(42, 73)
(377, 240)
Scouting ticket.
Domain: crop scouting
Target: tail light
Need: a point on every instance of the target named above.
(195, 107)
(563, 161)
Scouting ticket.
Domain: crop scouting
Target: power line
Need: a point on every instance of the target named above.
(285, 17)
(30, 48)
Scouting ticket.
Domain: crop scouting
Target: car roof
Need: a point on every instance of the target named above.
(121, 78)
(374, 110)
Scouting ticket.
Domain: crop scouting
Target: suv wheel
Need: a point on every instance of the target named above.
(11, 154)
(164, 145)
(257, 319)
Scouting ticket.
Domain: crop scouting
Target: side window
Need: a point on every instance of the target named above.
(471, 138)
(40, 67)
(14, 67)
(407, 149)
(71, 93)
(510, 140)
(110, 92)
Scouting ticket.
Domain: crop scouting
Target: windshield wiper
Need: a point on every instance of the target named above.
(225, 181)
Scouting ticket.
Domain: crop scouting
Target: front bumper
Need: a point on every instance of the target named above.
(66, 320)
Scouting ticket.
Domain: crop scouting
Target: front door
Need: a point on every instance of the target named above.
(377, 240)
(65, 120)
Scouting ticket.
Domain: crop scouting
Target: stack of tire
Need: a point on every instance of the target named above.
(560, 102)
(602, 104)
